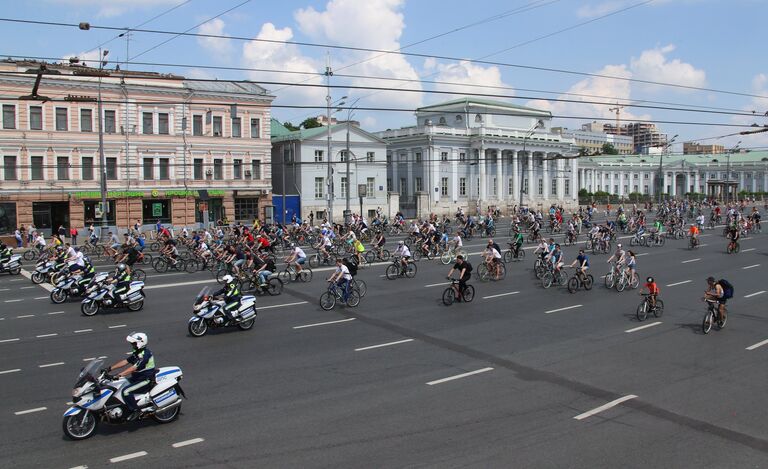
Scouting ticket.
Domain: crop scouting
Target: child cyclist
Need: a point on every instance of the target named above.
(653, 290)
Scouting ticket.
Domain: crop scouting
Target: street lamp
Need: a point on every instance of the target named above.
(329, 176)
(661, 163)
(103, 161)
(728, 172)
(539, 124)
(348, 212)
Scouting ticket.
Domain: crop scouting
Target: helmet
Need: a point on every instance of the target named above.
(228, 279)
(293, 245)
(618, 245)
(121, 268)
(138, 340)
(401, 243)
(649, 280)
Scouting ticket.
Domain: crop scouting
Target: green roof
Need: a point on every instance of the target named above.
(277, 129)
(743, 157)
(468, 101)
(307, 134)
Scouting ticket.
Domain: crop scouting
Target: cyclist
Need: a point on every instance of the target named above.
(518, 243)
(404, 254)
(619, 256)
(359, 251)
(342, 277)
(378, 243)
(693, 232)
(581, 263)
(298, 257)
(715, 291)
(465, 273)
(556, 257)
(631, 262)
(653, 291)
(734, 234)
(493, 259)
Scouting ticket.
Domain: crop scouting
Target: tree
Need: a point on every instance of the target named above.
(290, 126)
(609, 149)
(310, 123)
(583, 151)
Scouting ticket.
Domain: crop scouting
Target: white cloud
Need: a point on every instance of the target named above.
(485, 80)
(219, 48)
(90, 58)
(112, 8)
(598, 9)
(653, 65)
(758, 107)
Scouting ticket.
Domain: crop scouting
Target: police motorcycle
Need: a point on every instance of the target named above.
(97, 297)
(98, 397)
(46, 269)
(209, 313)
(75, 286)
(12, 265)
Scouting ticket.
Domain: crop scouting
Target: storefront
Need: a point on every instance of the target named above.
(156, 210)
(7, 218)
(214, 206)
(48, 216)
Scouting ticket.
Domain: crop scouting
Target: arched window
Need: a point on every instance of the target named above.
(459, 118)
(442, 121)
(478, 118)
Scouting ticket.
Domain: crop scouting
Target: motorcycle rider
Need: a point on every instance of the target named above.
(231, 293)
(121, 281)
(5, 253)
(141, 369)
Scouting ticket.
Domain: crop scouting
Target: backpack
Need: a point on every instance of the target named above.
(352, 266)
(727, 288)
(467, 267)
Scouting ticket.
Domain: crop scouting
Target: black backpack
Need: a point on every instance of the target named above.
(728, 289)
(467, 267)
(352, 266)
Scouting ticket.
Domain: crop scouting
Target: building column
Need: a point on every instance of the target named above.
(545, 178)
(574, 168)
(530, 177)
(687, 182)
(395, 178)
(500, 175)
(560, 165)
(483, 187)
(515, 183)
(673, 189)
(454, 175)
(434, 176)
(696, 181)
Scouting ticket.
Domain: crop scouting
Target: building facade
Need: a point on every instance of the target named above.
(475, 154)
(678, 175)
(176, 150)
(300, 170)
(591, 143)
(691, 148)
(644, 135)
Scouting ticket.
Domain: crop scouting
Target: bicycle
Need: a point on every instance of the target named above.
(733, 247)
(449, 295)
(449, 256)
(375, 254)
(328, 299)
(693, 242)
(513, 253)
(579, 280)
(496, 272)
(290, 275)
(396, 270)
(317, 259)
(709, 318)
(627, 280)
(551, 277)
(645, 308)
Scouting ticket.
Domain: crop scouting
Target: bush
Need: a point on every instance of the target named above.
(584, 193)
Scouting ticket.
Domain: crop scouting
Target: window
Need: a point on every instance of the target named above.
(246, 209)
(164, 165)
(8, 220)
(553, 187)
(61, 119)
(443, 156)
(525, 185)
(344, 187)
(462, 156)
(478, 118)
(256, 169)
(217, 131)
(9, 116)
(494, 188)
(463, 187)
(634, 188)
(86, 120)
(645, 189)
(112, 169)
(509, 186)
(389, 184)
(419, 186)
(645, 175)
(197, 169)
(255, 131)
(149, 169)
(146, 123)
(218, 169)
(86, 168)
(237, 169)
(162, 123)
(402, 157)
(442, 121)
(459, 118)
(197, 125)
(62, 168)
(403, 187)
(109, 122)
(626, 187)
(9, 167)
(443, 186)
(370, 157)
(389, 158)
(567, 184)
(615, 188)
(343, 156)
(635, 176)
(371, 187)
(236, 131)
(541, 187)
(35, 117)
(153, 209)
(36, 165)
(418, 157)
(318, 156)
(319, 188)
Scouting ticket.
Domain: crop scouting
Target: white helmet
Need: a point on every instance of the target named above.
(137, 339)
(227, 278)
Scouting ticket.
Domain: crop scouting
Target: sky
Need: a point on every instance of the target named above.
(710, 49)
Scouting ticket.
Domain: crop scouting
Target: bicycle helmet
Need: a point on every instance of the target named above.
(618, 245)
(138, 340)
(227, 279)
(401, 243)
(121, 268)
(649, 280)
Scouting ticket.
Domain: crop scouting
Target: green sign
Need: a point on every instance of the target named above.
(157, 210)
(141, 194)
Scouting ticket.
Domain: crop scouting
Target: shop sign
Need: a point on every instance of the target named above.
(157, 209)
(110, 195)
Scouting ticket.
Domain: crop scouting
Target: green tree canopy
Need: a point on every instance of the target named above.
(310, 123)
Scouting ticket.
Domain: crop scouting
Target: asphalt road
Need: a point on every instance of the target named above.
(521, 377)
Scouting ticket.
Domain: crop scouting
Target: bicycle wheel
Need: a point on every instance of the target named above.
(446, 258)
(706, 325)
(482, 272)
(29, 255)
(662, 240)
(305, 275)
(610, 281)
(139, 275)
(449, 296)
(546, 280)
(736, 248)
(192, 265)
(634, 281)
(642, 311)
(384, 255)
(327, 301)
(621, 285)
(520, 254)
(274, 286)
(416, 254)
(391, 272)
(370, 257)
(314, 260)
(589, 280)
(721, 323)
(508, 255)
(286, 275)
(573, 284)
(361, 286)
(161, 265)
(410, 270)
(353, 299)
(220, 275)
(468, 294)
(658, 311)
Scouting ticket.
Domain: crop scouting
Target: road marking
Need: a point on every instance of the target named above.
(193, 441)
(10, 371)
(182, 284)
(750, 267)
(48, 365)
(323, 323)
(702, 245)
(747, 250)
(55, 312)
(12, 301)
(25, 316)
(562, 309)
(644, 327)
(691, 260)
(501, 294)
(4, 289)
(679, 283)
(83, 330)
(759, 344)
(29, 411)
(41, 297)
(46, 335)
(128, 456)
(603, 407)
(94, 358)
(8, 340)
(282, 306)
(383, 345)
(27, 288)
(463, 375)
(436, 284)
(642, 254)
(78, 467)
(118, 326)
(754, 294)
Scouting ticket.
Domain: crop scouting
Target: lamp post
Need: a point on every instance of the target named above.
(728, 172)
(661, 163)
(539, 124)
(350, 111)
(102, 159)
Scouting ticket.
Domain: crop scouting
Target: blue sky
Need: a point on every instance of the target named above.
(702, 43)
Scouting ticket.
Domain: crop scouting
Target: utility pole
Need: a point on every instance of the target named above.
(329, 176)
(527, 135)
(728, 173)
(102, 159)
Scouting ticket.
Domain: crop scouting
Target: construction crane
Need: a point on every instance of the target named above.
(617, 110)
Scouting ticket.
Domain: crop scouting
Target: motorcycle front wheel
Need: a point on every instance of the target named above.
(80, 426)
(58, 296)
(38, 278)
(198, 328)
(89, 308)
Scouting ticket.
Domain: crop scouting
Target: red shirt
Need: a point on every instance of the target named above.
(653, 289)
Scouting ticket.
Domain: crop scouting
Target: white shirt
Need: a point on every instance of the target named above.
(40, 240)
(71, 252)
(79, 260)
(403, 251)
(458, 241)
(327, 241)
(299, 252)
(344, 272)
(493, 252)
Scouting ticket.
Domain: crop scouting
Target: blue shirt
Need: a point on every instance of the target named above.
(583, 260)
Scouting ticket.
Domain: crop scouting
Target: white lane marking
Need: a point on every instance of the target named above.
(46, 335)
(8, 340)
(126, 457)
(383, 345)
(562, 309)
(18, 279)
(29, 411)
(55, 312)
(12, 301)
(4, 289)
(284, 305)
(27, 288)
(27, 275)
(94, 358)
(48, 365)
(754, 294)
(759, 344)
(642, 254)
(83, 330)
(603, 407)
(25, 316)
(118, 326)
(679, 283)
(323, 323)
(501, 294)
(691, 260)
(750, 267)
(436, 284)
(78, 467)
(702, 245)
(747, 250)
(644, 327)
(10, 371)
(182, 284)
(193, 441)
(41, 297)
(463, 375)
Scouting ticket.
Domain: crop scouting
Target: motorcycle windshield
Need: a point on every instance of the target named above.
(90, 371)
(203, 292)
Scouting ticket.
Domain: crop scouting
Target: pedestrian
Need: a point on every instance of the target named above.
(31, 238)
(311, 219)
(62, 232)
(137, 226)
(17, 235)
(73, 235)
(24, 234)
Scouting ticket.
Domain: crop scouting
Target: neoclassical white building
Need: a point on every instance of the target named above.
(475, 153)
